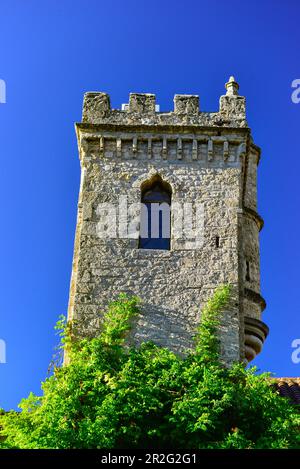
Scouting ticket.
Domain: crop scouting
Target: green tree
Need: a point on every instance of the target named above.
(112, 395)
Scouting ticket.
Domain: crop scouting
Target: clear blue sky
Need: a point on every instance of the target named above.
(51, 53)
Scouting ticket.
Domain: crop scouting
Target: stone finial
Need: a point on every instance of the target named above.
(232, 105)
(142, 103)
(186, 104)
(232, 87)
(95, 106)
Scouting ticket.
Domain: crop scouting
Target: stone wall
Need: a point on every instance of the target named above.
(206, 158)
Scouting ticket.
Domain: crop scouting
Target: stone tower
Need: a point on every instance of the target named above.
(199, 163)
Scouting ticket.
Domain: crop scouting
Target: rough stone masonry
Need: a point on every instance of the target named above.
(208, 158)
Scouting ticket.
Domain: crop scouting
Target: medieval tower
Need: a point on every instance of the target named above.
(203, 168)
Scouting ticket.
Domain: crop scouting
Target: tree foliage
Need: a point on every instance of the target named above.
(112, 395)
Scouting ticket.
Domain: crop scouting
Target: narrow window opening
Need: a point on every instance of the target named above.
(155, 230)
(217, 241)
(248, 271)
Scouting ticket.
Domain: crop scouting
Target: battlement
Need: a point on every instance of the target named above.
(141, 110)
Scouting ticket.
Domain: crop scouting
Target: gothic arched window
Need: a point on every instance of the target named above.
(155, 227)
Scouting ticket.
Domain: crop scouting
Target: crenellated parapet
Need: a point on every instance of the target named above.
(141, 110)
(140, 132)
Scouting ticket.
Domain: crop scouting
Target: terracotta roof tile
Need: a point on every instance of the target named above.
(290, 388)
